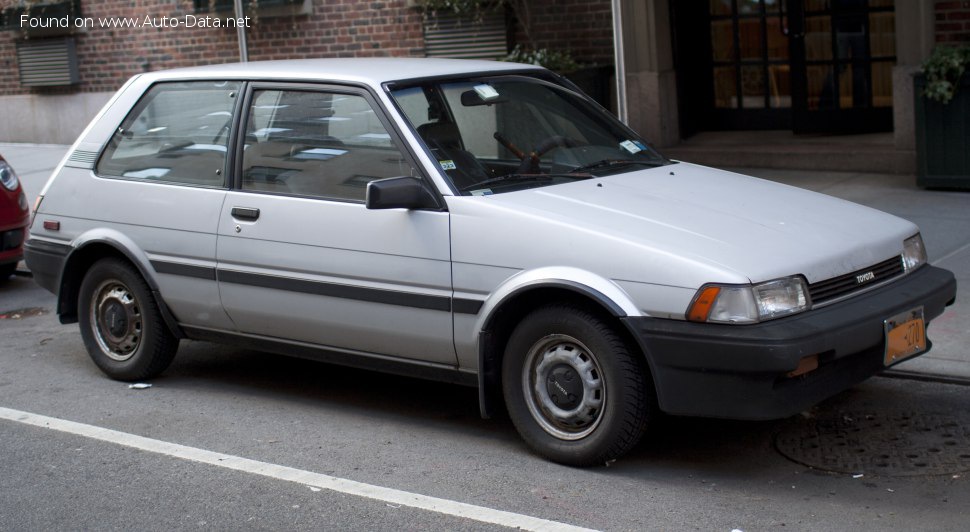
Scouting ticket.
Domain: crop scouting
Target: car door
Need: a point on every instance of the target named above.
(300, 256)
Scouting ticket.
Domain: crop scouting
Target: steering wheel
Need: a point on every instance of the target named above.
(530, 161)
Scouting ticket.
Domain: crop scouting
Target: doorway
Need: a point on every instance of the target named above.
(811, 66)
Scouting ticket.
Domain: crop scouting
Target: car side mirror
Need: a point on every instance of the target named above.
(402, 192)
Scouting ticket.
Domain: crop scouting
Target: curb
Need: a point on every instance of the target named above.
(925, 377)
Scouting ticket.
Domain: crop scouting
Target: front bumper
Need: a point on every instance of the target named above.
(11, 245)
(740, 371)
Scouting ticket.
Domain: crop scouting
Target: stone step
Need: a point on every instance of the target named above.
(783, 150)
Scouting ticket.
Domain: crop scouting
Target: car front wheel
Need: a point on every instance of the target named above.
(573, 388)
(121, 324)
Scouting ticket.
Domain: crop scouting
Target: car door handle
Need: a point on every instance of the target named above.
(249, 214)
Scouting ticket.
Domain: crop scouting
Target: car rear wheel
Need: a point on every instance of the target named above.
(121, 324)
(573, 388)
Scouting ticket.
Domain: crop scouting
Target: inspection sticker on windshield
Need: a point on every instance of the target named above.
(630, 146)
(447, 165)
(487, 92)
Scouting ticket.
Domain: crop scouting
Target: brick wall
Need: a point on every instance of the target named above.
(335, 28)
(952, 21)
(584, 27)
(9, 81)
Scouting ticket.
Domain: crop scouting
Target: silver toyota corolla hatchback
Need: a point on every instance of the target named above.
(476, 222)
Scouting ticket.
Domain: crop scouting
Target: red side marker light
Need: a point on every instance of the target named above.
(52, 225)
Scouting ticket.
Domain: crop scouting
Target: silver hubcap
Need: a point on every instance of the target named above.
(564, 387)
(117, 320)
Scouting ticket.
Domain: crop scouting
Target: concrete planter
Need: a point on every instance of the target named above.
(943, 138)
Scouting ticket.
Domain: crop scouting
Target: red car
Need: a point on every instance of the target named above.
(14, 216)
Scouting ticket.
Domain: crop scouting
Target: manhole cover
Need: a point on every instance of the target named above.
(880, 443)
(22, 313)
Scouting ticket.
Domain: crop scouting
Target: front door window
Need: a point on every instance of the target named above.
(317, 144)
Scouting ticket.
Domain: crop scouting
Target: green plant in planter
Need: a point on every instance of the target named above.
(556, 60)
(464, 8)
(943, 69)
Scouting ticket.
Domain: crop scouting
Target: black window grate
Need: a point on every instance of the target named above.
(47, 62)
(447, 35)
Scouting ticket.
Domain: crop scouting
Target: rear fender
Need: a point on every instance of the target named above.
(93, 246)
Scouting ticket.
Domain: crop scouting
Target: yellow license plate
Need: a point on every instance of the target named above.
(905, 335)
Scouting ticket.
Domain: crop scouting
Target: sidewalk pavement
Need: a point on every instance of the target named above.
(943, 218)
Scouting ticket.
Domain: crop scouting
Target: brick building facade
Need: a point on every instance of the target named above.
(107, 55)
(328, 28)
(952, 22)
(658, 72)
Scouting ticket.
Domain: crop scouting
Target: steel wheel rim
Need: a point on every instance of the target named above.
(564, 387)
(117, 323)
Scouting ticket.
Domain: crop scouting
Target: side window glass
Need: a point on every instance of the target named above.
(177, 133)
(318, 144)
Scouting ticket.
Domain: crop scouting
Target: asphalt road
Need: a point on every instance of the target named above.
(427, 439)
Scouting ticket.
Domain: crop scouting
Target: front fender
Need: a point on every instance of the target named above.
(602, 290)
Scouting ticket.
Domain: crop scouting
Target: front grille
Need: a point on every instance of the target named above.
(844, 285)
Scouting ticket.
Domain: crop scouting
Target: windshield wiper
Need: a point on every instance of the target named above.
(605, 163)
(524, 177)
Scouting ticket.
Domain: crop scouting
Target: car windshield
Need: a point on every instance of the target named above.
(498, 134)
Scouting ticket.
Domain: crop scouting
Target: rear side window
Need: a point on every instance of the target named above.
(177, 133)
(318, 144)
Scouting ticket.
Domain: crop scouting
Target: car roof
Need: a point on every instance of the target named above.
(372, 71)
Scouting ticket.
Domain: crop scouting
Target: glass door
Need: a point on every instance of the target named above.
(843, 52)
(750, 57)
(805, 65)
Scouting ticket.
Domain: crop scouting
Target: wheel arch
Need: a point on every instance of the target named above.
(92, 248)
(501, 316)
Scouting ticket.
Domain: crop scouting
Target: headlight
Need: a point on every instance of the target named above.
(8, 177)
(749, 303)
(914, 253)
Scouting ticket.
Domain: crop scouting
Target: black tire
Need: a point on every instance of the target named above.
(121, 325)
(601, 415)
(6, 270)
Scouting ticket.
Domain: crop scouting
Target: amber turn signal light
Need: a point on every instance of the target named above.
(700, 309)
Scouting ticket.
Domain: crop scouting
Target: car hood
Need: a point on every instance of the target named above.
(686, 223)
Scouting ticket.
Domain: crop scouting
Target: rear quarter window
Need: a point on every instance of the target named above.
(177, 133)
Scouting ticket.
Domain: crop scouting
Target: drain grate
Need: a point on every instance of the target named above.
(880, 443)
